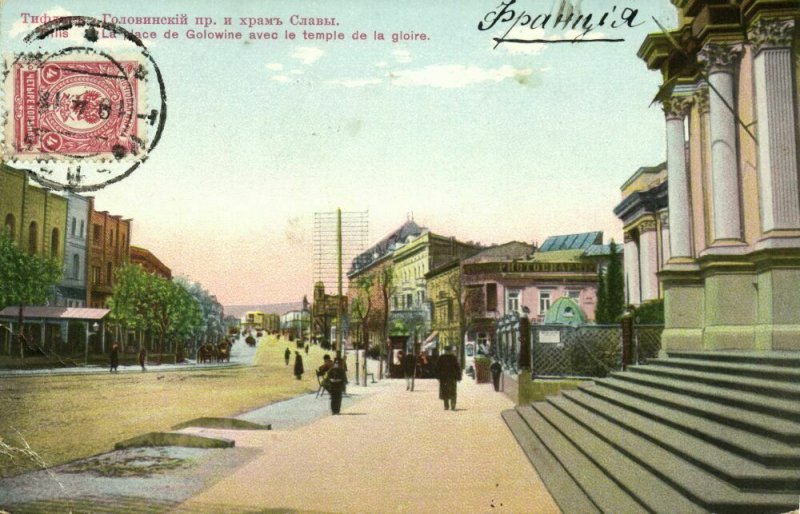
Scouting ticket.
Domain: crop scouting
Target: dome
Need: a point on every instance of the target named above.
(564, 311)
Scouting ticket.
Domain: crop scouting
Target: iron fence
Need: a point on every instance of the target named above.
(575, 351)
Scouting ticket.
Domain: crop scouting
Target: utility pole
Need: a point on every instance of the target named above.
(339, 294)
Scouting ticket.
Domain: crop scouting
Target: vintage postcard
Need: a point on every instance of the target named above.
(351, 256)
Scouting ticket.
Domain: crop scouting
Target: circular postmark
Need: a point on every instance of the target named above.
(82, 113)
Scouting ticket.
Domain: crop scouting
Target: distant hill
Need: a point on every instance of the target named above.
(273, 308)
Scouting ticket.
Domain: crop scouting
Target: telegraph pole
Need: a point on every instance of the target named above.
(339, 297)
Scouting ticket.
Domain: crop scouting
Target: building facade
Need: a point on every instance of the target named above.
(324, 314)
(645, 217)
(445, 293)
(145, 259)
(730, 97)
(109, 240)
(296, 324)
(72, 291)
(254, 320)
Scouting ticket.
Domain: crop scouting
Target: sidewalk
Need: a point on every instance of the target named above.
(390, 451)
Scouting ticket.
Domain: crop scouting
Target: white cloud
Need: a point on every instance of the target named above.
(402, 56)
(307, 54)
(353, 82)
(280, 78)
(457, 75)
(275, 66)
(381, 64)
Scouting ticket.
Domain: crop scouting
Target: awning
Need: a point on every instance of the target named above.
(50, 312)
(431, 342)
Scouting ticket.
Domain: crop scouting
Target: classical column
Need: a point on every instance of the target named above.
(648, 259)
(771, 42)
(665, 237)
(675, 110)
(721, 61)
(631, 257)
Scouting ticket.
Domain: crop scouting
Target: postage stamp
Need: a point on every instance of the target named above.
(74, 105)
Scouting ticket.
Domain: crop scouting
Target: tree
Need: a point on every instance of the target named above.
(615, 286)
(387, 287)
(601, 311)
(24, 279)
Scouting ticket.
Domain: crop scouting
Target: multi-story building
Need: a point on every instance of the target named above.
(109, 247)
(644, 214)
(324, 314)
(366, 287)
(296, 323)
(72, 291)
(33, 216)
(410, 310)
(446, 295)
(150, 263)
(272, 322)
(731, 100)
(254, 320)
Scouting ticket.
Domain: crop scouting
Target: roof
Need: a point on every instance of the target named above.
(564, 311)
(80, 313)
(510, 251)
(385, 245)
(572, 241)
(558, 256)
(601, 250)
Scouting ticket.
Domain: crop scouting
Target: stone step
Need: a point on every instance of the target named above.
(771, 358)
(733, 468)
(748, 444)
(768, 386)
(654, 494)
(566, 491)
(607, 494)
(680, 483)
(769, 426)
(778, 407)
(739, 369)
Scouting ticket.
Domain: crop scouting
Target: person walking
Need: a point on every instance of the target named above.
(286, 355)
(409, 367)
(448, 371)
(142, 358)
(307, 345)
(114, 357)
(335, 380)
(497, 371)
(298, 365)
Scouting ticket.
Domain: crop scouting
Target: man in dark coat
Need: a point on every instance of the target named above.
(448, 371)
(286, 355)
(409, 367)
(497, 370)
(114, 357)
(336, 379)
(298, 365)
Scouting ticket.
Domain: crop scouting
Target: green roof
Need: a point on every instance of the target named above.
(564, 311)
(558, 256)
(572, 241)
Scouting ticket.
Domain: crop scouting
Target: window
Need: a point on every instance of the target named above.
(81, 229)
(574, 295)
(409, 300)
(95, 274)
(76, 266)
(544, 301)
(396, 303)
(33, 237)
(491, 296)
(512, 301)
(9, 225)
(54, 243)
(74, 225)
(97, 237)
(108, 273)
(449, 310)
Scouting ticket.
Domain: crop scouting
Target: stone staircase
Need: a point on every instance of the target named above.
(694, 432)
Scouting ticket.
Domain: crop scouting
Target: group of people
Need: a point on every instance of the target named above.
(115, 357)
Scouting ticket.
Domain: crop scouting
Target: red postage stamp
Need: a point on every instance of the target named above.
(74, 106)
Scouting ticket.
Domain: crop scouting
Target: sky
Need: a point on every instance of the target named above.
(483, 143)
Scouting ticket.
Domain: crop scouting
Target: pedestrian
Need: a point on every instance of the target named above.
(286, 355)
(142, 358)
(448, 371)
(497, 370)
(409, 366)
(298, 365)
(114, 357)
(335, 380)
(307, 345)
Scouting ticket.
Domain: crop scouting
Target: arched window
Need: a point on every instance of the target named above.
(76, 266)
(10, 224)
(54, 240)
(33, 237)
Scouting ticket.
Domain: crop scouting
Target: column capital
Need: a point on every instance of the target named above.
(720, 56)
(771, 33)
(676, 106)
(664, 218)
(627, 237)
(647, 226)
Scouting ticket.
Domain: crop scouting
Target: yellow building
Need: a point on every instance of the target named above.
(731, 76)
(444, 289)
(254, 320)
(34, 217)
